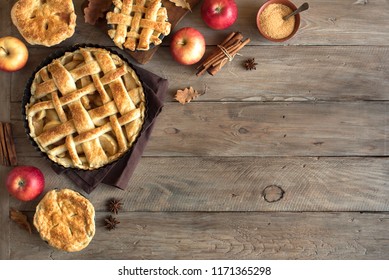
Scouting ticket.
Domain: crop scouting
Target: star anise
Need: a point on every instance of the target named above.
(250, 64)
(114, 205)
(111, 222)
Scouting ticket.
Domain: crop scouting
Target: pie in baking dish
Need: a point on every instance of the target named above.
(44, 22)
(86, 109)
(136, 24)
(65, 219)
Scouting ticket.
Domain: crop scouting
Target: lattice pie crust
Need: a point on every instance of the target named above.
(138, 23)
(86, 108)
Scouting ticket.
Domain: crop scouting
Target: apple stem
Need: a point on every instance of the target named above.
(2, 50)
(182, 42)
(21, 183)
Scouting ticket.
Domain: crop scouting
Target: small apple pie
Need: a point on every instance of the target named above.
(65, 220)
(136, 24)
(44, 22)
(86, 108)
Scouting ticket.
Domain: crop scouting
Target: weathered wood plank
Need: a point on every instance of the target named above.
(303, 73)
(263, 129)
(5, 19)
(4, 220)
(241, 184)
(278, 129)
(5, 86)
(225, 236)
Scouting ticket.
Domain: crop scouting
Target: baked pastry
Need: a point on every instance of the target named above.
(65, 219)
(138, 23)
(86, 109)
(44, 22)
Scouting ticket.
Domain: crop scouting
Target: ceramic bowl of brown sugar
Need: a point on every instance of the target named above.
(270, 20)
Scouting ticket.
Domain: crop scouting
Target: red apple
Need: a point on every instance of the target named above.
(187, 46)
(219, 14)
(13, 54)
(25, 182)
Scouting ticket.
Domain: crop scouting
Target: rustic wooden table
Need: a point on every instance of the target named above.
(288, 161)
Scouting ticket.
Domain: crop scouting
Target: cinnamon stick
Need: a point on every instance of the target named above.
(218, 58)
(229, 37)
(228, 41)
(216, 67)
(3, 147)
(7, 146)
(233, 42)
(10, 145)
(222, 54)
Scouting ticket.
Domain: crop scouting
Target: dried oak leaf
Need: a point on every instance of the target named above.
(181, 3)
(19, 218)
(96, 9)
(186, 95)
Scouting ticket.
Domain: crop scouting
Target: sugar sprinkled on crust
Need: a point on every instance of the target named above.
(46, 23)
(65, 219)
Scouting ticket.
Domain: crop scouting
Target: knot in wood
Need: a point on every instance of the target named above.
(243, 130)
(171, 130)
(273, 193)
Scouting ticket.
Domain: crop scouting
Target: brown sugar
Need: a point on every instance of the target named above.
(273, 24)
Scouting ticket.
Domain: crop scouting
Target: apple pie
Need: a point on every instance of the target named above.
(136, 24)
(65, 220)
(44, 22)
(86, 108)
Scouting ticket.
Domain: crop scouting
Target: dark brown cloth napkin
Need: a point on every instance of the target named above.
(119, 173)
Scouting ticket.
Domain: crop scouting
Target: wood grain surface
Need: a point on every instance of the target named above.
(166, 235)
(220, 184)
(5, 84)
(257, 129)
(288, 161)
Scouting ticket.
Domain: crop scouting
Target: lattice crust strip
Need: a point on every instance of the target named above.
(136, 24)
(86, 108)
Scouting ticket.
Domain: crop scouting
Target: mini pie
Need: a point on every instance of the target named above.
(86, 109)
(138, 23)
(44, 22)
(65, 219)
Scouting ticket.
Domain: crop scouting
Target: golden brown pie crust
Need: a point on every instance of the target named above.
(136, 24)
(86, 109)
(65, 219)
(44, 22)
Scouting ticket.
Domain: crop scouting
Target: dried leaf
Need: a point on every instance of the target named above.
(19, 218)
(181, 3)
(186, 95)
(96, 9)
